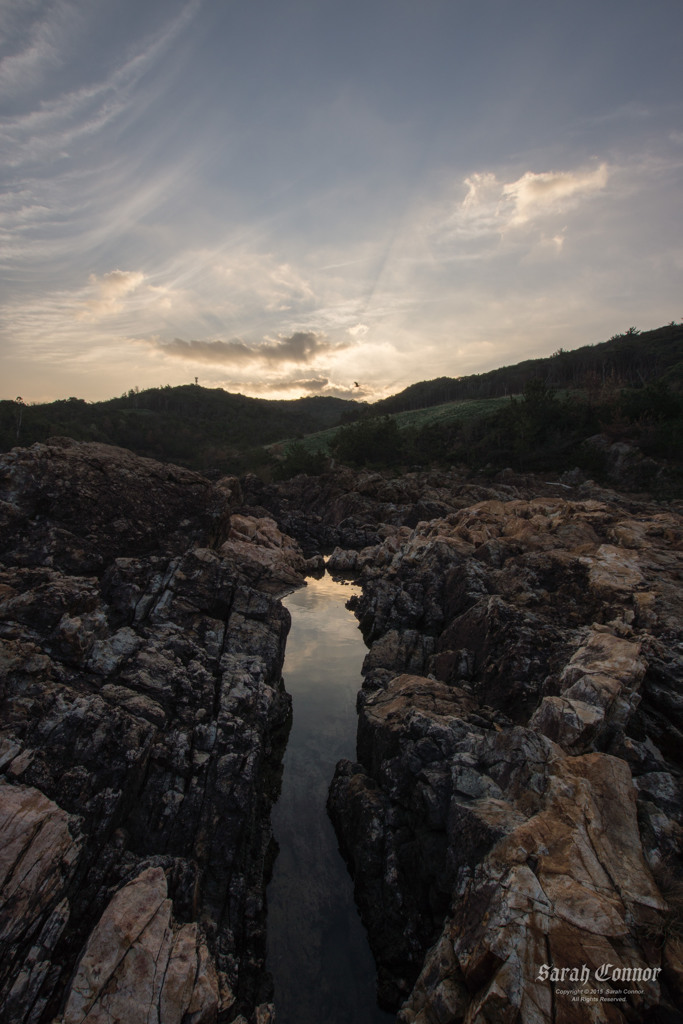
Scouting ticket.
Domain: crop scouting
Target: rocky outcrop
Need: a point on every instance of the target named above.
(514, 818)
(266, 555)
(355, 510)
(624, 464)
(77, 505)
(515, 811)
(143, 722)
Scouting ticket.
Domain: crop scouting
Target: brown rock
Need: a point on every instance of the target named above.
(600, 684)
(256, 542)
(118, 965)
(39, 852)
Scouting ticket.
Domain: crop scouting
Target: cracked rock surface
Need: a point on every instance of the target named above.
(517, 795)
(143, 722)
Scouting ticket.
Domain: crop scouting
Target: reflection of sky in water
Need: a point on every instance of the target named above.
(317, 948)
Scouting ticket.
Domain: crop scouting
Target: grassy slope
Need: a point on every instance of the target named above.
(448, 412)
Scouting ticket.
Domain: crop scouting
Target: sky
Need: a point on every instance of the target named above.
(300, 197)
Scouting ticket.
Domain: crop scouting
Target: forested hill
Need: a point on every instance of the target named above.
(631, 359)
(215, 431)
(191, 425)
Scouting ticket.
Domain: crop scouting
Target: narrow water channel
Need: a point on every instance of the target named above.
(318, 952)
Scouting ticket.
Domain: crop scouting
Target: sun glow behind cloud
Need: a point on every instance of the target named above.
(193, 198)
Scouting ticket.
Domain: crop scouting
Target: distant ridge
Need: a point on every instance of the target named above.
(216, 431)
(189, 424)
(630, 360)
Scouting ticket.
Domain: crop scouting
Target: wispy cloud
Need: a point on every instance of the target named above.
(55, 125)
(109, 290)
(43, 52)
(276, 283)
(70, 187)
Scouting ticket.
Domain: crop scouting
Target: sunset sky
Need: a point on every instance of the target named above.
(284, 197)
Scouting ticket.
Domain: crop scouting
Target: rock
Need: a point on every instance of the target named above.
(270, 557)
(40, 850)
(205, 999)
(143, 723)
(614, 569)
(604, 676)
(493, 798)
(574, 723)
(265, 1013)
(568, 908)
(139, 963)
(624, 464)
(516, 798)
(75, 506)
(344, 563)
(424, 806)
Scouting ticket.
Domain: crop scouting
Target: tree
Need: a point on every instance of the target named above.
(370, 442)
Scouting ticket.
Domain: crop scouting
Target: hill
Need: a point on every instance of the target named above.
(565, 411)
(407, 420)
(631, 359)
(534, 415)
(203, 428)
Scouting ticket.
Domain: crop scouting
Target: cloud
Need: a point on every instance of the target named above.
(278, 285)
(481, 187)
(56, 124)
(109, 290)
(491, 207)
(301, 347)
(319, 387)
(533, 195)
(315, 385)
(43, 51)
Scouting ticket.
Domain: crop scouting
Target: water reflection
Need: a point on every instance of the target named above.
(318, 952)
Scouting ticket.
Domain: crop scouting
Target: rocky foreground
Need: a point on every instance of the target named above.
(513, 822)
(143, 723)
(515, 812)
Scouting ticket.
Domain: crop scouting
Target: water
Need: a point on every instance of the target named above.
(318, 952)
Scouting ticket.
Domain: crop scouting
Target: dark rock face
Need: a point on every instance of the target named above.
(356, 509)
(76, 506)
(143, 723)
(517, 799)
(625, 465)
